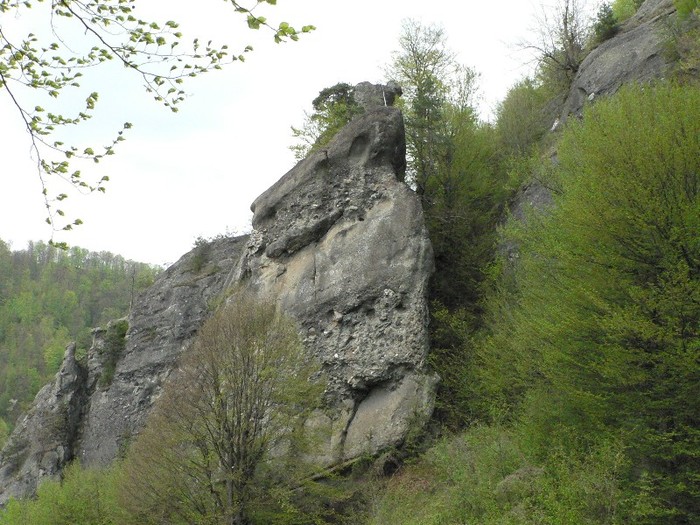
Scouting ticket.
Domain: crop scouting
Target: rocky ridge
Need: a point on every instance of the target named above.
(635, 54)
(340, 242)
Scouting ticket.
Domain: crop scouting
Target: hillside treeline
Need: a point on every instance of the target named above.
(49, 297)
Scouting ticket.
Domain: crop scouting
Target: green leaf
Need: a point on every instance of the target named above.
(255, 22)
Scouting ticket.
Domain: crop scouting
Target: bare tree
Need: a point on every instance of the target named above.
(562, 35)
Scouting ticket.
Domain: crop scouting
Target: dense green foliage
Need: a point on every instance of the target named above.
(686, 7)
(624, 9)
(522, 117)
(101, 497)
(112, 348)
(81, 497)
(212, 451)
(486, 476)
(457, 168)
(683, 42)
(590, 351)
(334, 107)
(49, 297)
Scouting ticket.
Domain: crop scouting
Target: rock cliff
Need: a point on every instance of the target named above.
(635, 54)
(95, 405)
(340, 242)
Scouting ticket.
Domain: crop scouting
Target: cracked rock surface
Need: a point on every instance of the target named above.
(340, 243)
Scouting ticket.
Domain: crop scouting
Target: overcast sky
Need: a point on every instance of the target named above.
(195, 173)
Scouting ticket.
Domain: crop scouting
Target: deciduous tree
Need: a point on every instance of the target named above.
(431, 79)
(334, 107)
(598, 335)
(231, 411)
(560, 41)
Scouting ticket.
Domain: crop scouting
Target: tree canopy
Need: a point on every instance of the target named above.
(334, 107)
(235, 408)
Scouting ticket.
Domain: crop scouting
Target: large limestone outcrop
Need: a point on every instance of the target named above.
(340, 242)
(635, 54)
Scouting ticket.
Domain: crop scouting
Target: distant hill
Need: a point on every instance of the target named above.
(49, 297)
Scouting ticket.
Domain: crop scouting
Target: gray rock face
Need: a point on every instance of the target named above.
(633, 55)
(44, 439)
(340, 242)
(162, 324)
(370, 96)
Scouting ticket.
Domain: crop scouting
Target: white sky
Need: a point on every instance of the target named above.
(195, 173)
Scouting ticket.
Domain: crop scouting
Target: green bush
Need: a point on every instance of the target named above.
(4, 432)
(522, 118)
(683, 41)
(606, 24)
(596, 329)
(686, 7)
(488, 476)
(82, 497)
(111, 351)
(624, 9)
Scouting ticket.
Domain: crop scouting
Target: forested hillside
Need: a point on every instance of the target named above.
(49, 297)
(565, 312)
(579, 385)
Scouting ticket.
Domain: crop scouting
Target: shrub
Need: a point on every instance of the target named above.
(602, 322)
(686, 7)
(333, 108)
(522, 118)
(4, 432)
(82, 497)
(488, 476)
(625, 9)
(683, 42)
(606, 24)
(111, 351)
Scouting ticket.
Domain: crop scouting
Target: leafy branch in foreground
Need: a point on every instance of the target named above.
(83, 35)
